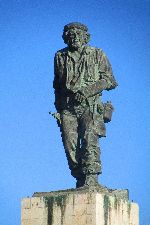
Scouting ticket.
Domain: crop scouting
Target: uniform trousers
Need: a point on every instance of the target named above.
(81, 141)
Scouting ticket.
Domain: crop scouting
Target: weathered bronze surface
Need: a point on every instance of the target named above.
(82, 73)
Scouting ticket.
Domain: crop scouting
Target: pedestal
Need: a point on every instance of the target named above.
(84, 206)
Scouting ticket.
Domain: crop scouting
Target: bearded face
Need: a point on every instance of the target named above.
(75, 38)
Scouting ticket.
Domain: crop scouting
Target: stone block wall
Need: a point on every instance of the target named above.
(78, 208)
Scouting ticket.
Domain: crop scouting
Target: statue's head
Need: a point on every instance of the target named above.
(75, 35)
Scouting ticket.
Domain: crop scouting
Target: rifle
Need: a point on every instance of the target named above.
(56, 116)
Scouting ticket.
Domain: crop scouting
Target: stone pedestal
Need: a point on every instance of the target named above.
(91, 206)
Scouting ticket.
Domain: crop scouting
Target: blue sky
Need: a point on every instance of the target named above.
(32, 156)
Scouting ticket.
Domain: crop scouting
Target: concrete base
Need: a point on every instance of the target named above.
(84, 206)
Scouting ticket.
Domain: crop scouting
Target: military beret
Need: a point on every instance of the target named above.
(75, 25)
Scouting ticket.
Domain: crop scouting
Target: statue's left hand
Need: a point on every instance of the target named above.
(79, 97)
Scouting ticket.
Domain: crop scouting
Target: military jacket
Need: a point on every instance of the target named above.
(81, 75)
(90, 74)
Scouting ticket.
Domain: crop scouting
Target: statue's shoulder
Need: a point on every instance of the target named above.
(61, 52)
(91, 49)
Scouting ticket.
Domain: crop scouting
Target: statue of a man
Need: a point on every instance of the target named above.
(82, 72)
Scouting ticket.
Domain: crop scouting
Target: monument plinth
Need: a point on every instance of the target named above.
(83, 206)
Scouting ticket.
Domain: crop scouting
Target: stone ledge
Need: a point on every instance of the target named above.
(122, 194)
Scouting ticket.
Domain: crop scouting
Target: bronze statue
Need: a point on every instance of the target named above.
(82, 72)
